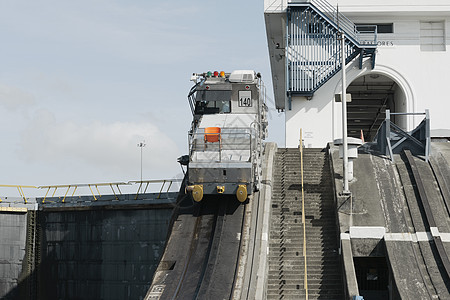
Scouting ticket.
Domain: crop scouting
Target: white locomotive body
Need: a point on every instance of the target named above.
(225, 140)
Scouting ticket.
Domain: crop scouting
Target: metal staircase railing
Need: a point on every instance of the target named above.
(313, 53)
(341, 21)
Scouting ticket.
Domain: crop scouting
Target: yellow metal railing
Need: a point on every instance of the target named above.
(19, 188)
(141, 189)
(76, 186)
(147, 183)
(70, 189)
(303, 217)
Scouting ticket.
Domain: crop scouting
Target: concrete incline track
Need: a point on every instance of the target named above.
(403, 256)
(202, 252)
(428, 214)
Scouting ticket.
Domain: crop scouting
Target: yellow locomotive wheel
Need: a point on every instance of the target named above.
(197, 193)
(241, 193)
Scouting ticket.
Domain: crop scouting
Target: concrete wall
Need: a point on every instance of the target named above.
(81, 249)
(100, 254)
(13, 227)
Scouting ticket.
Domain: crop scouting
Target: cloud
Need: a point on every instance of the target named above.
(13, 98)
(110, 146)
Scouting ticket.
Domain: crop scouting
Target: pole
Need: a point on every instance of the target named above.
(344, 115)
(141, 145)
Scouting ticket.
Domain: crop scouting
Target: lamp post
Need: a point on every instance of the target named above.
(141, 145)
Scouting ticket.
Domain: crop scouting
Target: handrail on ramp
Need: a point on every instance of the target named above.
(303, 215)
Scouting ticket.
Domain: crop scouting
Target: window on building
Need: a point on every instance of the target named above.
(381, 28)
(432, 36)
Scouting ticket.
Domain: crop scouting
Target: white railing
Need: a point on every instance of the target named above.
(230, 145)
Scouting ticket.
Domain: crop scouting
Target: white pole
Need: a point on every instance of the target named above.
(141, 145)
(344, 116)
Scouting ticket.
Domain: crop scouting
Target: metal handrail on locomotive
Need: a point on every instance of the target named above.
(225, 139)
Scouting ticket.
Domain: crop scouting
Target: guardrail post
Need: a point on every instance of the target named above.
(388, 149)
(95, 198)
(114, 192)
(427, 135)
(162, 186)
(68, 188)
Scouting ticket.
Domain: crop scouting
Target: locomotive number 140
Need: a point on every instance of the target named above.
(245, 99)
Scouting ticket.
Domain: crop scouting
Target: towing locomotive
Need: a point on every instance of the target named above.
(225, 140)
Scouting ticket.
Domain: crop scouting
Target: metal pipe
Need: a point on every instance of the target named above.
(95, 198)
(68, 188)
(409, 114)
(344, 115)
(115, 196)
(286, 56)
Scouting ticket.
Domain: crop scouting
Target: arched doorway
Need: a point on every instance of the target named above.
(372, 94)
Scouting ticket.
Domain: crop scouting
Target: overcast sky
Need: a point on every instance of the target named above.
(83, 82)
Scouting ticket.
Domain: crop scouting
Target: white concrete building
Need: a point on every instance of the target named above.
(411, 72)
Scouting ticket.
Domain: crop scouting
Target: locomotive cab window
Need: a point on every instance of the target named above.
(213, 102)
(224, 106)
(212, 107)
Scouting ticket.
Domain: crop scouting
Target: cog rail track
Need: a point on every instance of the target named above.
(428, 216)
(285, 267)
(303, 247)
(201, 255)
